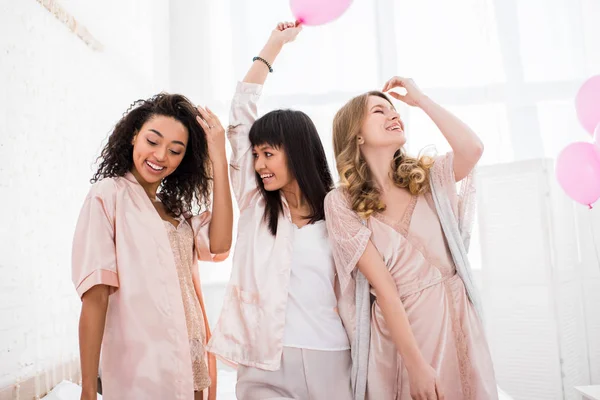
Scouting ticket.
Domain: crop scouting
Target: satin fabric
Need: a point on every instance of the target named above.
(121, 241)
(445, 323)
(251, 326)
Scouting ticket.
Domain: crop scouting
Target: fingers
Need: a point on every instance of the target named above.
(399, 96)
(207, 118)
(202, 123)
(210, 113)
(439, 391)
(203, 113)
(282, 26)
(392, 83)
(213, 117)
(204, 118)
(434, 393)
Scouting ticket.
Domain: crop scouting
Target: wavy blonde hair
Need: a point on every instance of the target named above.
(355, 175)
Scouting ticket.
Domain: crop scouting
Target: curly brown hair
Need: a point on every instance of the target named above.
(355, 175)
(190, 185)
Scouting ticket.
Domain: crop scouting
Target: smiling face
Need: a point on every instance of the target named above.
(158, 149)
(381, 126)
(270, 164)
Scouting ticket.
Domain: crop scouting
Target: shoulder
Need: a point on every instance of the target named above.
(337, 196)
(442, 162)
(105, 193)
(338, 201)
(106, 188)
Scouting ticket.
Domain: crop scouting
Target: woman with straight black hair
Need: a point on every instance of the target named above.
(306, 163)
(279, 321)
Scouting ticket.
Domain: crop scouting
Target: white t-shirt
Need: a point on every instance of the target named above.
(312, 321)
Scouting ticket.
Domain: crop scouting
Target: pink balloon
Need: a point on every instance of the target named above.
(587, 103)
(318, 12)
(578, 172)
(596, 139)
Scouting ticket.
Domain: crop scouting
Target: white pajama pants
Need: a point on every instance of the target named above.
(304, 375)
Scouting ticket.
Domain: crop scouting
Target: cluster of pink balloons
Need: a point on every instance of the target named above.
(578, 164)
(318, 12)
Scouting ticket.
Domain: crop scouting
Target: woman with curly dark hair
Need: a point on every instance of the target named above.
(136, 248)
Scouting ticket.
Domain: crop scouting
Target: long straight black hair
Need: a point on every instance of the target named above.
(295, 133)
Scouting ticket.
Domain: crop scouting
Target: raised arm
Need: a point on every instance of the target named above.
(221, 224)
(244, 111)
(285, 32)
(465, 143)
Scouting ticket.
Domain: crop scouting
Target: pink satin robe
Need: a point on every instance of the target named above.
(251, 325)
(121, 241)
(443, 320)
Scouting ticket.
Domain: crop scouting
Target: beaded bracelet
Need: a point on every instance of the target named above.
(263, 60)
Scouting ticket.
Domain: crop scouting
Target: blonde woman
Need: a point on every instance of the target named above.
(400, 221)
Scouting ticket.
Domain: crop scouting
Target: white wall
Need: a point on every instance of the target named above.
(58, 101)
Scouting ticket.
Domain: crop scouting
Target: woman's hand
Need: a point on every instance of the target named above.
(215, 134)
(286, 32)
(413, 97)
(465, 143)
(424, 384)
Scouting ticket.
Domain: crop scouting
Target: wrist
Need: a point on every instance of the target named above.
(414, 361)
(275, 41)
(218, 159)
(272, 48)
(423, 101)
(89, 389)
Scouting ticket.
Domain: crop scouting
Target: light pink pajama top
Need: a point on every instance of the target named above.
(250, 329)
(121, 241)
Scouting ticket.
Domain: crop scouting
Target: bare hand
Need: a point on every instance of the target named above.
(424, 383)
(286, 32)
(215, 133)
(413, 95)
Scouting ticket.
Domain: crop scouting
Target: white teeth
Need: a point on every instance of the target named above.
(394, 128)
(154, 166)
(263, 176)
